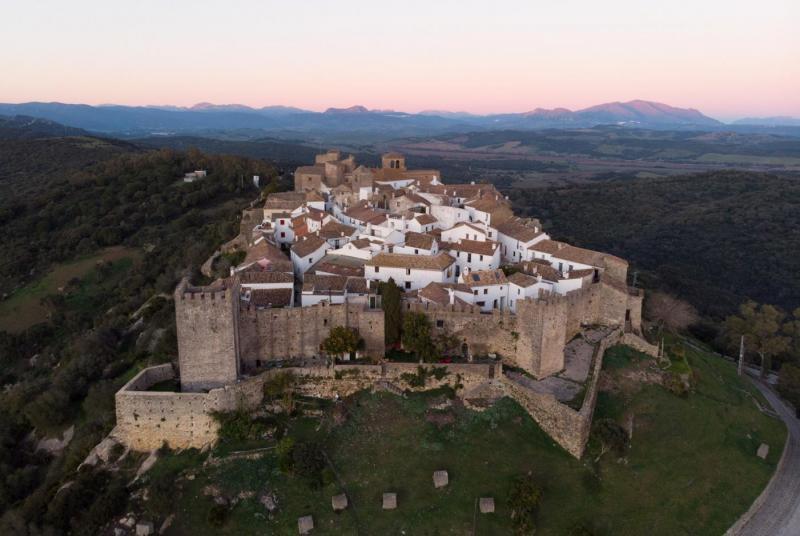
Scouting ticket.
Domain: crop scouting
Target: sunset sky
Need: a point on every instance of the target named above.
(727, 58)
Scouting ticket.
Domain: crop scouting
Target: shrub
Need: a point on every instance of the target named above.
(611, 436)
(217, 515)
(675, 385)
(284, 450)
(523, 500)
(309, 462)
(238, 426)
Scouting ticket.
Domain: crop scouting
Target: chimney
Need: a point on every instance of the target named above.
(452, 295)
(561, 245)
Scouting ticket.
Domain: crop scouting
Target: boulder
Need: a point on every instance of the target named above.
(763, 451)
(389, 501)
(305, 524)
(144, 528)
(486, 504)
(440, 479)
(339, 502)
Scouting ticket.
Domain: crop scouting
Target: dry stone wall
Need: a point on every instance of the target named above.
(148, 419)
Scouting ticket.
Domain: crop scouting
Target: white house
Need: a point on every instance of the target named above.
(284, 230)
(516, 236)
(411, 272)
(489, 288)
(337, 234)
(306, 251)
(423, 223)
(471, 255)
(449, 216)
(418, 244)
(522, 286)
(336, 289)
(252, 280)
(468, 231)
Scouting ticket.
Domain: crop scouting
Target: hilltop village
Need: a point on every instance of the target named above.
(528, 317)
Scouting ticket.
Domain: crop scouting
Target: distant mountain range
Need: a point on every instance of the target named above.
(24, 127)
(356, 123)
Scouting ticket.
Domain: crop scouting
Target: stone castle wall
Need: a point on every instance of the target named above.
(279, 334)
(148, 419)
(568, 427)
(206, 322)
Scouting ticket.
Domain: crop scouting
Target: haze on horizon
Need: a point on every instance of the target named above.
(728, 59)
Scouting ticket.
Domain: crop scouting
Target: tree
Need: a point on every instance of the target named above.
(417, 336)
(670, 312)
(523, 500)
(340, 341)
(792, 330)
(391, 296)
(281, 385)
(612, 437)
(789, 385)
(761, 326)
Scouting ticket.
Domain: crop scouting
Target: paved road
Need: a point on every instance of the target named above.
(779, 512)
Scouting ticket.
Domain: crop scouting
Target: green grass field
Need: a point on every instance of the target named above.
(24, 308)
(691, 468)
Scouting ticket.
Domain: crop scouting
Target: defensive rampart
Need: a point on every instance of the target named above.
(148, 419)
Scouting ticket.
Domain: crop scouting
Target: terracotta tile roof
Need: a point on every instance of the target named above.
(316, 214)
(365, 215)
(520, 229)
(437, 293)
(285, 200)
(307, 245)
(438, 262)
(577, 274)
(335, 229)
(264, 250)
(483, 278)
(470, 225)
(324, 284)
(419, 240)
(392, 155)
(358, 285)
(255, 277)
(318, 169)
(360, 243)
(479, 247)
(426, 219)
(522, 280)
(339, 265)
(568, 252)
(542, 268)
(271, 297)
(487, 205)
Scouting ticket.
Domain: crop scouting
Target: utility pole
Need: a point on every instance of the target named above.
(741, 357)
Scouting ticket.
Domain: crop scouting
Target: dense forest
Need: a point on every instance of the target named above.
(104, 325)
(715, 239)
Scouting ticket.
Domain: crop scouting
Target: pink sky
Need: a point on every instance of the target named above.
(726, 58)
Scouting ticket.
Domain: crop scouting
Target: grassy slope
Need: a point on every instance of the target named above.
(692, 467)
(24, 307)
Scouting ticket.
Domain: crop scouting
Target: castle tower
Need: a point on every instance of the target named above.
(393, 161)
(542, 335)
(206, 321)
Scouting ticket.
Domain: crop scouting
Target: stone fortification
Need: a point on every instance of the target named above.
(206, 320)
(279, 334)
(148, 419)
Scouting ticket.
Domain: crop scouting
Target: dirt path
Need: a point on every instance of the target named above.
(776, 512)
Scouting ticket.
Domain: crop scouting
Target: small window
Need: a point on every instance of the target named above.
(282, 222)
(283, 235)
(310, 260)
(416, 252)
(475, 292)
(440, 323)
(408, 271)
(486, 291)
(324, 321)
(377, 269)
(408, 284)
(481, 257)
